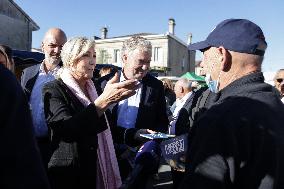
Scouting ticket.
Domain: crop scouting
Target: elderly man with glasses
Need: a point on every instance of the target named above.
(278, 83)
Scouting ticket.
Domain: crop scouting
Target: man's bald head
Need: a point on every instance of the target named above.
(52, 44)
(54, 33)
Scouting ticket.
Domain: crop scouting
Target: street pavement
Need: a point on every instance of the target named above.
(164, 180)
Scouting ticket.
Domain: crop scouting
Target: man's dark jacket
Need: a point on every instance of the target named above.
(21, 166)
(181, 126)
(28, 79)
(238, 142)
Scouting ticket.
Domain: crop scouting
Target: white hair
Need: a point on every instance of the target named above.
(136, 42)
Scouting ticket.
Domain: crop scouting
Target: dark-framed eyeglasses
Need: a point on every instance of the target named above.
(279, 80)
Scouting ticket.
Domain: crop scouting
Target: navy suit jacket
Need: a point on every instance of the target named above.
(28, 79)
(182, 120)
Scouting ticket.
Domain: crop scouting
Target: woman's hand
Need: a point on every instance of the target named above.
(114, 92)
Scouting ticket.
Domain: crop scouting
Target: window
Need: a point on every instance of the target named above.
(158, 54)
(182, 63)
(116, 55)
(104, 56)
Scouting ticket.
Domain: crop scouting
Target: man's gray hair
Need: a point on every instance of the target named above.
(136, 42)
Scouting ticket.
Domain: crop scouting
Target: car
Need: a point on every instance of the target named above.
(24, 59)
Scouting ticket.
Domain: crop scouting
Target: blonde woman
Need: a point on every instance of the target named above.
(82, 148)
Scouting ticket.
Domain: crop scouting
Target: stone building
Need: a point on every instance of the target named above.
(170, 56)
(16, 26)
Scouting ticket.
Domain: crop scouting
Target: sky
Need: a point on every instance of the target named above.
(124, 17)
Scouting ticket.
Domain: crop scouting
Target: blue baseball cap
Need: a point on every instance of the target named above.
(239, 35)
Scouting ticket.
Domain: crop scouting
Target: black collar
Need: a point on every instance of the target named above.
(240, 86)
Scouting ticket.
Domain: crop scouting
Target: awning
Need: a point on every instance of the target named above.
(193, 77)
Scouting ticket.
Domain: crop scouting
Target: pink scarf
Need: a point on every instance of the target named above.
(108, 176)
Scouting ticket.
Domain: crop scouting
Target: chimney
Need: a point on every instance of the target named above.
(104, 33)
(189, 38)
(172, 24)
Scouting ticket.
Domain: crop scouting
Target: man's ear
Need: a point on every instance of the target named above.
(225, 59)
(124, 58)
(181, 89)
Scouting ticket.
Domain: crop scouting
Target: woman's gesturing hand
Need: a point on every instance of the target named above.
(114, 92)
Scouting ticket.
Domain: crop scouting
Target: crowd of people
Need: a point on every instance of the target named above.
(61, 128)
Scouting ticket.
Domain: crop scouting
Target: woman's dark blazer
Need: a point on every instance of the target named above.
(73, 134)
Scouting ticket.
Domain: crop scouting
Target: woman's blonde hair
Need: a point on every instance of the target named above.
(74, 48)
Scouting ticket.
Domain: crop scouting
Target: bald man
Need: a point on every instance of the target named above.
(184, 94)
(34, 78)
(179, 118)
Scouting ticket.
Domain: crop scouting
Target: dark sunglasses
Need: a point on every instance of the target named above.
(279, 80)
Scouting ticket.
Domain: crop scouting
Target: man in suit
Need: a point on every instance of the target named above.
(34, 78)
(179, 118)
(21, 166)
(181, 107)
(144, 112)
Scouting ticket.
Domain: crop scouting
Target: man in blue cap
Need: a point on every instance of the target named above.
(238, 142)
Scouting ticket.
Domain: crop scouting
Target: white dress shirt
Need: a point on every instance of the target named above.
(179, 104)
(128, 108)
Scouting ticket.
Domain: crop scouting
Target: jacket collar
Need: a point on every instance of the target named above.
(241, 86)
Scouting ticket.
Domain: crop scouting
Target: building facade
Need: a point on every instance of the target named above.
(170, 55)
(16, 26)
